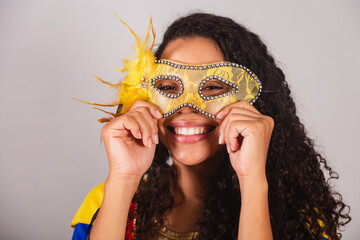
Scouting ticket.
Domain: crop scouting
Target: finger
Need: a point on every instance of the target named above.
(153, 109)
(117, 126)
(233, 134)
(234, 115)
(148, 119)
(242, 104)
(231, 127)
(148, 127)
(137, 121)
(133, 126)
(244, 111)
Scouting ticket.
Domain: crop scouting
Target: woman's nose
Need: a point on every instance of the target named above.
(187, 110)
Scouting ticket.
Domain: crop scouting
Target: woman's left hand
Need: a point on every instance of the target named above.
(246, 133)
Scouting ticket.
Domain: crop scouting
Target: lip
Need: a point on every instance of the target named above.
(191, 138)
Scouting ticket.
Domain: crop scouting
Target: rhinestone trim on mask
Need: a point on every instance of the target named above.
(192, 106)
(233, 85)
(203, 67)
(170, 77)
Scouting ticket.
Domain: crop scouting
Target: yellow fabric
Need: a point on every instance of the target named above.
(91, 203)
(321, 223)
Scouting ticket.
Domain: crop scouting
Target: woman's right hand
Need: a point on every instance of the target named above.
(130, 140)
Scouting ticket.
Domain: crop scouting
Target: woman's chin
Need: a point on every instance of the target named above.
(188, 161)
(191, 155)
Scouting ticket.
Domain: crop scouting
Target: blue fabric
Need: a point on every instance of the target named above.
(79, 231)
(323, 238)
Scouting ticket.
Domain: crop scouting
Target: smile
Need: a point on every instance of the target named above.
(190, 131)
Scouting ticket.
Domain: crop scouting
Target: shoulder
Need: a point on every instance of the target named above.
(84, 215)
(89, 206)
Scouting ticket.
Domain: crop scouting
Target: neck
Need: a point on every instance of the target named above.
(193, 181)
(189, 189)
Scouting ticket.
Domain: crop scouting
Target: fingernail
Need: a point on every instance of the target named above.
(158, 113)
(220, 138)
(139, 135)
(150, 143)
(219, 114)
(156, 139)
(232, 147)
(228, 148)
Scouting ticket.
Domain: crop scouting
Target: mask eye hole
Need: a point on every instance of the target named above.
(215, 88)
(170, 86)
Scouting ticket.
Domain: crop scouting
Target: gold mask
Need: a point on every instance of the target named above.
(206, 88)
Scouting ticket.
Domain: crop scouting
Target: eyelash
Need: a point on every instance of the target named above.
(166, 87)
(212, 87)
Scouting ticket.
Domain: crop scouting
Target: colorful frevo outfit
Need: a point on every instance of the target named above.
(91, 204)
(149, 79)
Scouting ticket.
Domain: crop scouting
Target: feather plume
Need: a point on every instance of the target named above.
(137, 67)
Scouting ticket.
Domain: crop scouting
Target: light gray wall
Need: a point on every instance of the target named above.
(50, 152)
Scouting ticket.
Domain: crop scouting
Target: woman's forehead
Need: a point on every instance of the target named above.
(194, 50)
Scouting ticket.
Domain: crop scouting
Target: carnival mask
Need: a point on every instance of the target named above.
(207, 88)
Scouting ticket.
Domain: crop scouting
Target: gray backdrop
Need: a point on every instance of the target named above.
(50, 152)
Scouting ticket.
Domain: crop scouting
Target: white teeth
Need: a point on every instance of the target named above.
(190, 131)
(197, 131)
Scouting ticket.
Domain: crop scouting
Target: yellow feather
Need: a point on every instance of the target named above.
(143, 63)
(96, 104)
(137, 66)
(118, 70)
(106, 83)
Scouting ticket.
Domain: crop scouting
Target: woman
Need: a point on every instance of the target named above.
(249, 173)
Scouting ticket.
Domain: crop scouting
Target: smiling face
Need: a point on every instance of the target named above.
(191, 137)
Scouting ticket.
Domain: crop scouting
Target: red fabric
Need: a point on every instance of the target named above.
(130, 226)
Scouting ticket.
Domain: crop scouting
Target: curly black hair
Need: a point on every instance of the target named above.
(302, 203)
